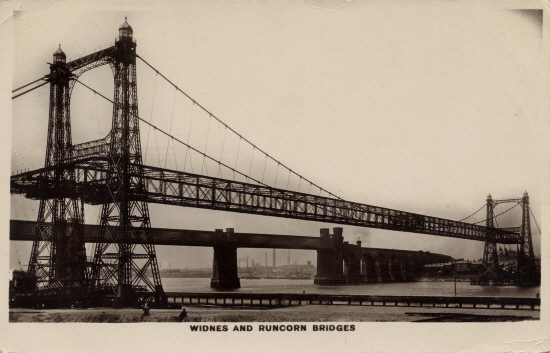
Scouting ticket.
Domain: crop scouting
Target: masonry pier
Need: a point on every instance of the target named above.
(338, 262)
(224, 266)
(329, 258)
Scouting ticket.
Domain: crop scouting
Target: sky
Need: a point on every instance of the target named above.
(425, 108)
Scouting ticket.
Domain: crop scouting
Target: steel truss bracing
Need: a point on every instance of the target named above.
(526, 268)
(59, 256)
(125, 253)
(490, 256)
(171, 187)
(124, 256)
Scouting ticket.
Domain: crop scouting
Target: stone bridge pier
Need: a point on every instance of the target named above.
(339, 262)
(224, 267)
(330, 262)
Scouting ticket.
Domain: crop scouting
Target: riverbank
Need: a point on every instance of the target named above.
(304, 313)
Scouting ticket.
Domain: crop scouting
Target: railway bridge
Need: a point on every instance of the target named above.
(338, 261)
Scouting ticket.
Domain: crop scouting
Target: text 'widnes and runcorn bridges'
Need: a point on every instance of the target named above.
(110, 172)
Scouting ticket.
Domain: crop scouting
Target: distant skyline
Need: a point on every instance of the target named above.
(423, 108)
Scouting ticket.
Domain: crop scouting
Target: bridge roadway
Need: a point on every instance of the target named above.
(171, 187)
(360, 264)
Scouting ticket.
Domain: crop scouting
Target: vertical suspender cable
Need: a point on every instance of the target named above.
(251, 160)
(288, 180)
(221, 155)
(206, 145)
(263, 174)
(237, 159)
(188, 138)
(277, 173)
(170, 131)
(151, 117)
(227, 126)
(176, 139)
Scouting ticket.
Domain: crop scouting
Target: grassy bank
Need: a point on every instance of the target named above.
(305, 313)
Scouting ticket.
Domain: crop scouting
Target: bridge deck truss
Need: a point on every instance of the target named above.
(169, 187)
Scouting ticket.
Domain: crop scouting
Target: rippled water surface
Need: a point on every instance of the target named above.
(298, 286)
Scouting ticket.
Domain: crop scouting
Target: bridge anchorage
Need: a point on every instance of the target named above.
(110, 172)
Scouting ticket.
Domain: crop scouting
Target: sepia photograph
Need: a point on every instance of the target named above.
(256, 175)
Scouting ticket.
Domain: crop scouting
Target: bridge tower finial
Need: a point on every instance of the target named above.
(59, 55)
(125, 31)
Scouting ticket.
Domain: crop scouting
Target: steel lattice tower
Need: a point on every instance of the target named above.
(60, 255)
(124, 261)
(120, 263)
(527, 267)
(490, 255)
(527, 272)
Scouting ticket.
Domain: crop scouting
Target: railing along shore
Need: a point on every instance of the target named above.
(290, 299)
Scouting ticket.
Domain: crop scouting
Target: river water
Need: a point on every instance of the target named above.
(300, 285)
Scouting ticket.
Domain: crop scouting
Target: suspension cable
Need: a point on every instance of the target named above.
(28, 84)
(473, 213)
(534, 219)
(232, 130)
(27, 91)
(176, 139)
(494, 217)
